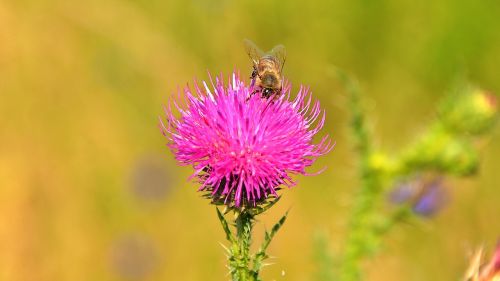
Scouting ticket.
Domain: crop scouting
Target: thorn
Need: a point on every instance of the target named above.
(225, 248)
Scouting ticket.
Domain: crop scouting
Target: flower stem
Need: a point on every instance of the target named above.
(361, 228)
(244, 266)
(241, 249)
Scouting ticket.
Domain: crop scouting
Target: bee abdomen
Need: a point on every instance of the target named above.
(269, 80)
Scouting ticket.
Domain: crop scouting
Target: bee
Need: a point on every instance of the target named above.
(267, 68)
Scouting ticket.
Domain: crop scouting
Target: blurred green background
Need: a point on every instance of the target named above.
(88, 190)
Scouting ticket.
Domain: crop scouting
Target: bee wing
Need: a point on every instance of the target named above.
(279, 53)
(254, 52)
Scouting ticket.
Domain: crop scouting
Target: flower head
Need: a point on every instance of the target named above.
(481, 271)
(426, 196)
(244, 147)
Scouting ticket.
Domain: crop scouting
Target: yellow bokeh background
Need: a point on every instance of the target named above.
(82, 84)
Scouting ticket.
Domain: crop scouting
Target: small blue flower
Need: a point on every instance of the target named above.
(425, 196)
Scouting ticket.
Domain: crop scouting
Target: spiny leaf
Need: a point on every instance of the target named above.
(225, 226)
(258, 210)
(274, 230)
(228, 251)
(261, 255)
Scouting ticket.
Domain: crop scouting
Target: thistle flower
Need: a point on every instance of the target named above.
(244, 147)
(479, 271)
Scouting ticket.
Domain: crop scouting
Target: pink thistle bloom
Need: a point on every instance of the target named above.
(481, 271)
(244, 147)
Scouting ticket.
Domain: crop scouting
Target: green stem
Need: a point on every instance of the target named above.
(240, 258)
(361, 225)
(401, 214)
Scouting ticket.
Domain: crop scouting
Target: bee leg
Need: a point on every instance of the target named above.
(254, 89)
(254, 73)
(276, 94)
(251, 95)
(252, 77)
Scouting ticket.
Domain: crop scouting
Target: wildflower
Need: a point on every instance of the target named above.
(478, 271)
(431, 201)
(425, 196)
(244, 147)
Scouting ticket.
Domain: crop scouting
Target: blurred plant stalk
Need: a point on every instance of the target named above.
(360, 225)
(446, 148)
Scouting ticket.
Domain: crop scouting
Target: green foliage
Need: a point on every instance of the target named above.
(446, 148)
(468, 110)
(361, 239)
(261, 255)
(225, 226)
(323, 258)
(441, 151)
(244, 266)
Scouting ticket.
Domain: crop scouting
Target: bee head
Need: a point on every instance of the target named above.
(266, 92)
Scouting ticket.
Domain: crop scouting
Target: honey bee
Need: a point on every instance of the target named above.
(267, 68)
